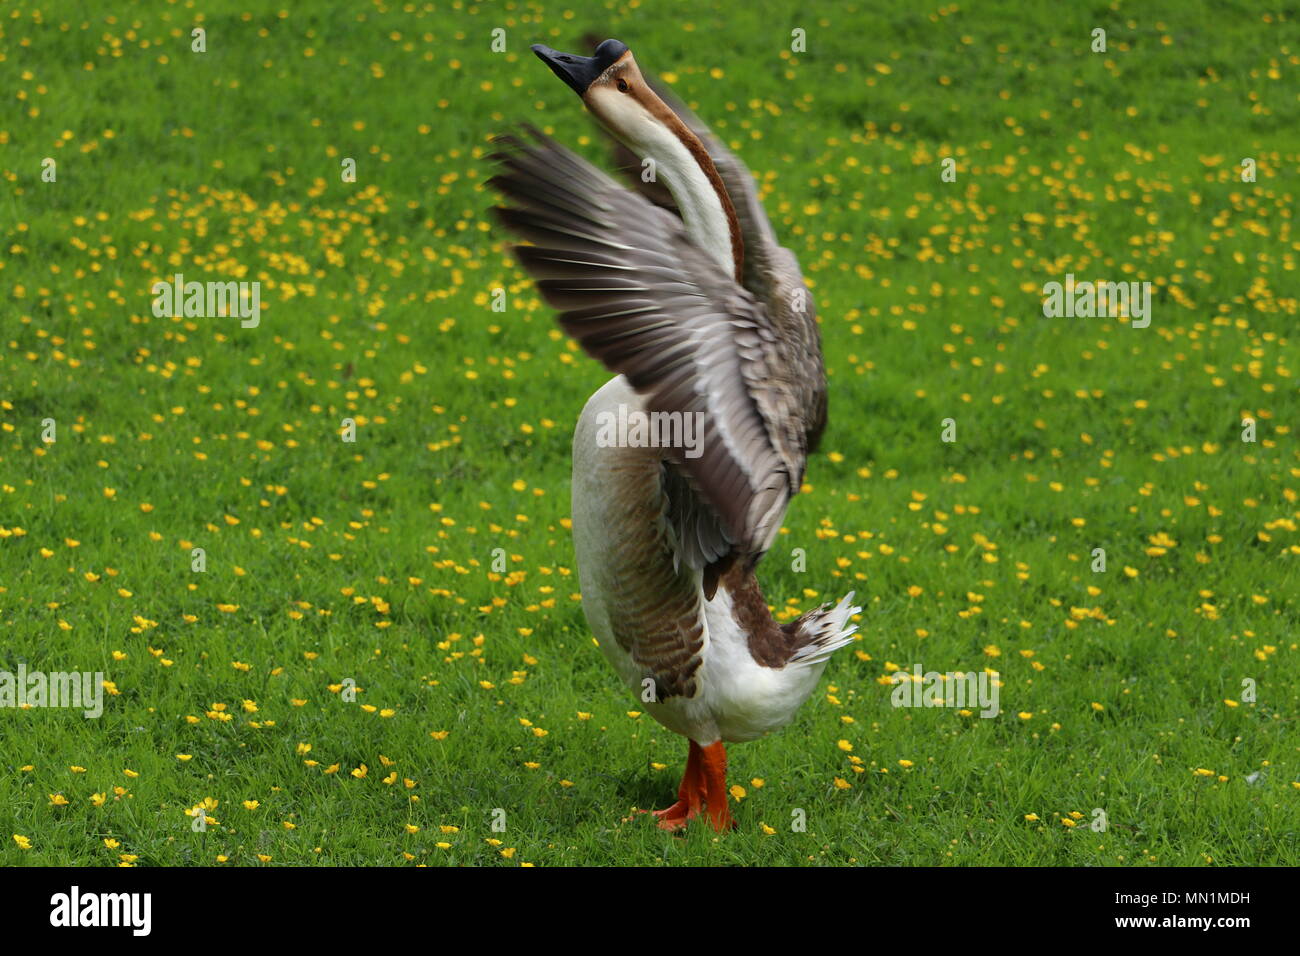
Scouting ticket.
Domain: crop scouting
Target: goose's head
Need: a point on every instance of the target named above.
(613, 89)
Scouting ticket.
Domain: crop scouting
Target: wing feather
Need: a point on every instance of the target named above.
(639, 296)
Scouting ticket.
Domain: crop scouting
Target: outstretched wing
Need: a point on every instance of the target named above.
(639, 296)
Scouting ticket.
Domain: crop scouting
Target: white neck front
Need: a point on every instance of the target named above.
(677, 168)
(698, 193)
(701, 208)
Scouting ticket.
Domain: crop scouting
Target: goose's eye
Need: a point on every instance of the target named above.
(622, 86)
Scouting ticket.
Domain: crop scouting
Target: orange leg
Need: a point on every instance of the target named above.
(690, 795)
(713, 759)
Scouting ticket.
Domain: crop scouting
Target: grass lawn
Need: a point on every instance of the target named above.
(429, 565)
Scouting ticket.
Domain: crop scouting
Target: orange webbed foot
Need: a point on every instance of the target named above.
(678, 815)
(713, 768)
(703, 791)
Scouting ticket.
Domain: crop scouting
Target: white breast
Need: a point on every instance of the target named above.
(748, 700)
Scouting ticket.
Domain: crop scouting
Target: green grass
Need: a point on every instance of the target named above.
(1072, 434)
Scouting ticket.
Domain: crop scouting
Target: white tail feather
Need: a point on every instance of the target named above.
(829, 631)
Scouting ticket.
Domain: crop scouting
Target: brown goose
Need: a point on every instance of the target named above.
(684, 463)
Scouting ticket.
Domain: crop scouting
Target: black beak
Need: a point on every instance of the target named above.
(580, 71)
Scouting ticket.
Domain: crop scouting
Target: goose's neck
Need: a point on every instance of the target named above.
(685, 168)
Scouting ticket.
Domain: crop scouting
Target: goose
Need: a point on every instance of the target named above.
(686, 295)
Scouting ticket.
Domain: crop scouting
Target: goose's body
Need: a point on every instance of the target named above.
(703, 314)
(722, 668)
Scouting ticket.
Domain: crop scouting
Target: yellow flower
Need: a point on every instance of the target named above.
(1031, 817)
(24, 843)
(905, 763)
(251, 804)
